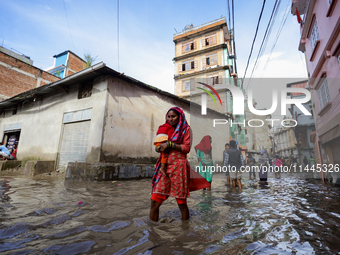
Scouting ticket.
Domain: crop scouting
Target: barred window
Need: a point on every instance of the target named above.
(323, 92)
(314, 36)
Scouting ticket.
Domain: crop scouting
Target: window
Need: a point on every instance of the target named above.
(186, 85)
(214, 79)
(210, 60)
(323, 92)
(188, 46)
(85, 90)
(314, 36)
(209, 40)
(188, 65)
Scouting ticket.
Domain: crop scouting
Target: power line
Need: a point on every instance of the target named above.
(229, 14)
(233, 12)
(68, 24)
(118, 31)
(284, 19)
(266, 35)
(252, 46)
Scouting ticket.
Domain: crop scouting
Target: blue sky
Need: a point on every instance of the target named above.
(41, 29)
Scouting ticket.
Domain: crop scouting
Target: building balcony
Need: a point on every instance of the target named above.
(203, 71)
(199, 52)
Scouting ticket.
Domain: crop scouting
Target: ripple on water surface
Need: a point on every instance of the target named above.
(281, 216)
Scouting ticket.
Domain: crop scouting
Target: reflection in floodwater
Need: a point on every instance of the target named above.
(281, 216)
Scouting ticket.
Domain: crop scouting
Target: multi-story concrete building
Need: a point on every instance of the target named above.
(285, 142)
(203, 52)
(206, 53)
(305, 124)
(258, 137)
(320, 40)
(17, 74)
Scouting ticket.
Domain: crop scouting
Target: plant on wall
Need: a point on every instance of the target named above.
(89, 59)
(58, 74)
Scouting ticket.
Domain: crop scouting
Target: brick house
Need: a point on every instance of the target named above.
(17, 74)
(66, 63)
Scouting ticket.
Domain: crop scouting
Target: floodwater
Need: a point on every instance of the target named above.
(283, 216)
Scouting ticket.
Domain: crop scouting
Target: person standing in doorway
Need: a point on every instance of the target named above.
(13, 155)
(234, 160)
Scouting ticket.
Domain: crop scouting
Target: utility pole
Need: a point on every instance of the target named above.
(298, 145)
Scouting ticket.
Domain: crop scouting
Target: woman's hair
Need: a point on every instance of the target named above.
(176, 112)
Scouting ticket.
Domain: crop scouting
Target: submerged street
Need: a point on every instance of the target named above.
(283, 216)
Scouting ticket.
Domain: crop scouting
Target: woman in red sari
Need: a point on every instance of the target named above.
(177, 183)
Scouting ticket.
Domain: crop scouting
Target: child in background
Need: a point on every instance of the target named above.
(13, 155)
(164, 133)
(278, 163)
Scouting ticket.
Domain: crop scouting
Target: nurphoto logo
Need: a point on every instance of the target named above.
(239, 98)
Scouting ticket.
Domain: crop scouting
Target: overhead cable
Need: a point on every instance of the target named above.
(252, 46)
(266, 36)
(283, 22)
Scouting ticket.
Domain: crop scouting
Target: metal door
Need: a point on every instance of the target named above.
(74, 144)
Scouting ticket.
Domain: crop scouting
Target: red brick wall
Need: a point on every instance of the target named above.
(13, 82)
(49, 77)
(75, 63)
(70, 72)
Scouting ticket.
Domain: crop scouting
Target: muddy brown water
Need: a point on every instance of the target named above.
(283, 216)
